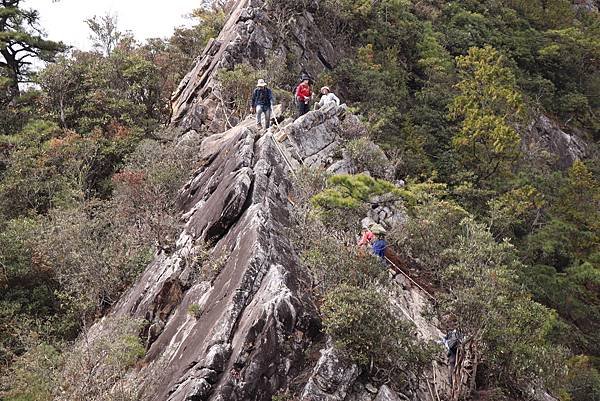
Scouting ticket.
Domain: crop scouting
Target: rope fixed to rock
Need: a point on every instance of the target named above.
(284, 157)
(397, 269)
(281, 150)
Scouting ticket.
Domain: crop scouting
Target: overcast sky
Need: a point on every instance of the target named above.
(64, 20)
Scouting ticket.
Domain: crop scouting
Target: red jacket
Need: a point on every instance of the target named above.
(303, 92)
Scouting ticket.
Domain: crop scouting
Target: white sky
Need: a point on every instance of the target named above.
(64, 20)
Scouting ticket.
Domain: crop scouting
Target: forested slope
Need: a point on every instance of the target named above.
(478, 123)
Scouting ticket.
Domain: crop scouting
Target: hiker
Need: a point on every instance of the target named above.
(452, 341)
(366, 235)
(327, 98)
(262, 103)
(303, 96)
(379, 244)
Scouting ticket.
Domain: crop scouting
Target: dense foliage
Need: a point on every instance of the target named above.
(87, 185)
(449, 90)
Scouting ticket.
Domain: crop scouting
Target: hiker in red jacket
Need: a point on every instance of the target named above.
(303, 96)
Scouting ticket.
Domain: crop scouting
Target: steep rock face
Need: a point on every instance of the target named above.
(586, 5)
(546, 135)
(228, 311)
(332, 378)
(254, 319)
(256, 31)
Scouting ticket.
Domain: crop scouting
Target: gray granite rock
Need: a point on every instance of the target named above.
(387, 394)
(252, 36)
(545, 134)
(332, 378)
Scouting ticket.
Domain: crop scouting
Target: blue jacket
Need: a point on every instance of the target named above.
(379, 248)
(266, 100)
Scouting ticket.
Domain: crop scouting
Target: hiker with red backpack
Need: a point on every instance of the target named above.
(303, 95)
(262, 103)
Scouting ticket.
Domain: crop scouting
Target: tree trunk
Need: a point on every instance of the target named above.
(463, 375)
(63, 120)
(12, 69)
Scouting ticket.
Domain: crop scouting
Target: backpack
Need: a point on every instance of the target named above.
(263, 96)
(453, 340)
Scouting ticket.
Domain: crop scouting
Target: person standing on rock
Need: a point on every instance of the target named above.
(327, 98)
(262, 103)
(303, 96)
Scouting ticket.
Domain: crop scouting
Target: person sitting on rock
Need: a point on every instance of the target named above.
(303, 96)
(327, 98)
(262, 103)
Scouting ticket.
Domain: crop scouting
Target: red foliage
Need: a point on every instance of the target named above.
(117, 130)
(131, 179)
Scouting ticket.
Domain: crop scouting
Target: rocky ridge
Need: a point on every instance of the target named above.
(256, 32)
(233, 265)
(255, 320)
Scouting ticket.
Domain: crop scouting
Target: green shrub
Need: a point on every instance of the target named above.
(307, 183)
(34, 375)
(488, 106)
(237, 86)
(93, 254)
(367, 156)
(515, 211)
(194, 310)
(504, 330)
(146, 188)
(363, 326)
(94, 368)
(352, 191)
(333, 263)
(428, 234)
(352, 128)
(583, 381)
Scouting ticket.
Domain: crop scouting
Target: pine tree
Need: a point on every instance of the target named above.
(488, 105)
(21, 40)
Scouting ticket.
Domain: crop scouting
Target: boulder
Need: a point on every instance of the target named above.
(332, 378)
(546, 135)
(387, 394)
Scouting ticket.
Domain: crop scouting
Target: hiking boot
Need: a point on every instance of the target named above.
(259, 125)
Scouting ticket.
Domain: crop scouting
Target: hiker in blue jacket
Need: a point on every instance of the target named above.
(262, 103)
(379, 244)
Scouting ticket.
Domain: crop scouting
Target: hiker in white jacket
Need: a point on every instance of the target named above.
(327, 98)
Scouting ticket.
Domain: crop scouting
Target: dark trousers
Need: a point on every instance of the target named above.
(303, 108)
(451, 365)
